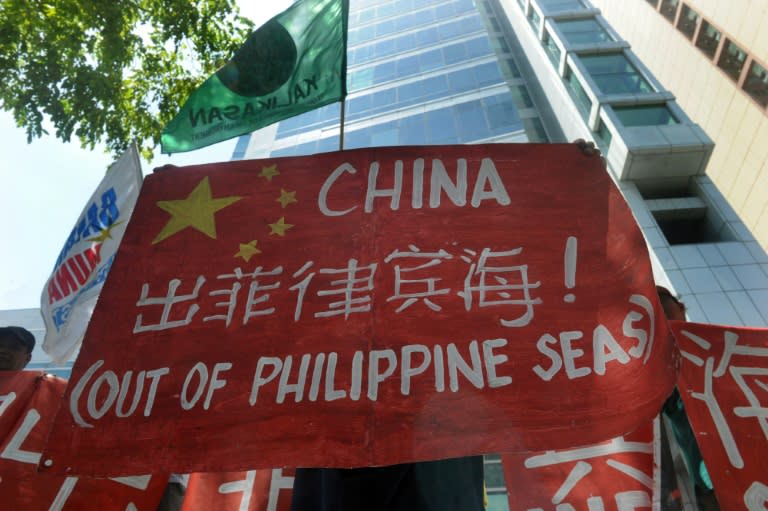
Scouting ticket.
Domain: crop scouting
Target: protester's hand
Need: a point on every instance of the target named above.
(167, 166)
(588, 148)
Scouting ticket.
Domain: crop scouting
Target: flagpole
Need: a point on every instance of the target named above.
(341, 131)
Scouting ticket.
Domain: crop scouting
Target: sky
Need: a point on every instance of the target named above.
(44, 186)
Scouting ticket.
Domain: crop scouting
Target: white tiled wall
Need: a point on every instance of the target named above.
(725, 282)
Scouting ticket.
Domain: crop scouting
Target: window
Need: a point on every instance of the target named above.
(561, 5)
(586, 31)
(534, 130)
(687, 22)
(580, 98)
(521, 96)
(669, 9)
(603, 137)
(614, 74)
(471, 122)
(756, 83)
(684, 215)
(709, 38)
(654, 3)
(645, 115)
(732, 60)
(534, 19)
(501, 113)
(552, 50)
(441, 128)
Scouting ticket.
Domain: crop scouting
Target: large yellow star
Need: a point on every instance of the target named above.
(279, 227)
(248, 250)
(269, 172)
(195, 211)
(286, 198)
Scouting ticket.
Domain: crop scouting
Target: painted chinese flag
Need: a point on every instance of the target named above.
(724, 385)
(617, 475)
(28, 402)
(368, 307)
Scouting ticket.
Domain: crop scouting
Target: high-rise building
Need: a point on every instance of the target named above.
(713, 57)
(464, 71)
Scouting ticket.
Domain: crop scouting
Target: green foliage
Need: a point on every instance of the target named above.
(110, 71)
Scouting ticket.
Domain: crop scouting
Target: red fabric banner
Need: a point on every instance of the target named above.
(28, 403)
(618, 475)
(724, 385)
(253, 490)
(368, 307)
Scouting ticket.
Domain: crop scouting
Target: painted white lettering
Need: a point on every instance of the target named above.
(317, 376)
(407, 370)
(492, 360)
(216, 383)
(605, 349)
(375, 376)
(77, 391)
(554, 356)
(155, 376)
(13, 450)
(297, 388)
(489, 175)
(439, 368)
(259, 380)
(114, 387)
(322, 198)
(570, 354)
(441, 182)
(201, 371)
(373, 192)
(456, 364)
(332, 394)
(418, 183)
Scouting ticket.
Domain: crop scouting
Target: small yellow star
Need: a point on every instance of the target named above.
(269, 172)
(279, 227)
(248, 250)
(104, 233)
(286, 198)
(196, 211)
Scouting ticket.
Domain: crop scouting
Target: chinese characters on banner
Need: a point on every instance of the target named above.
(28, 402)
(724, 385)
(252, 490)
(618, 475)
(368, 307)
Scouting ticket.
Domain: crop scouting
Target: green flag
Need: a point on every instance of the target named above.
(294, 63)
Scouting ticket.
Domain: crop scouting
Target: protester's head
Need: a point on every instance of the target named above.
(673, 308)
(16, 345)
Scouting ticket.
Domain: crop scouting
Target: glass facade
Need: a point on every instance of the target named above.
(419, 72)
(644, 115)
(583, 31)
(614, 74)
(578, 94)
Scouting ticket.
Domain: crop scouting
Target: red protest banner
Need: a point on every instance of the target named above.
(724, 385)
(28, 402)
(368, 307)
(618, 475)
(253, 490)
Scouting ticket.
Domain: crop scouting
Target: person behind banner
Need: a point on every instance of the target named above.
(673, 409)
(16, 345)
